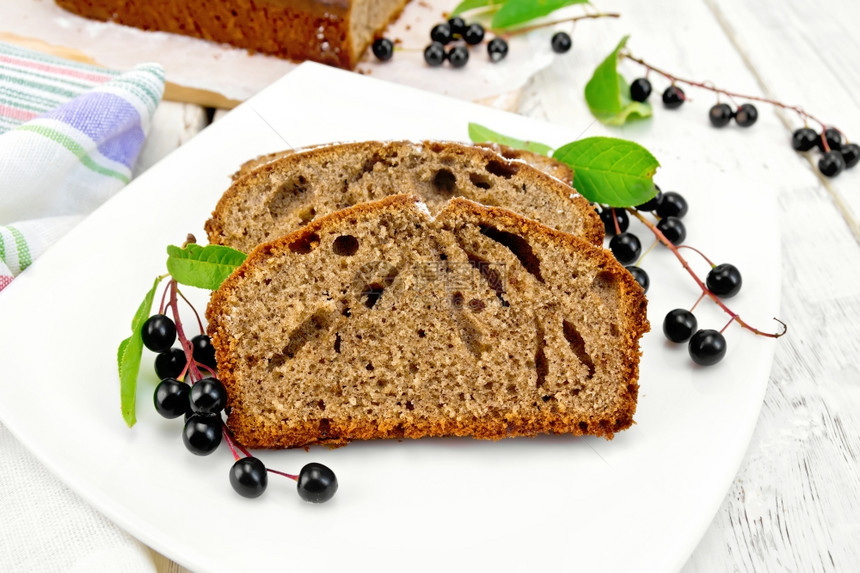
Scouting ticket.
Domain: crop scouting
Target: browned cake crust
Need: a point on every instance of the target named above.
(546, 164)
(379, 322)
(286, 193)
(333, 32)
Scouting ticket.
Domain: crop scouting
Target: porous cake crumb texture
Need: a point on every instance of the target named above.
(380, 322)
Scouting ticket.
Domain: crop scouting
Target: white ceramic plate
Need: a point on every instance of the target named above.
(640, 502)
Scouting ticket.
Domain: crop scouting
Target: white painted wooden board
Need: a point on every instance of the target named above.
(795, 504)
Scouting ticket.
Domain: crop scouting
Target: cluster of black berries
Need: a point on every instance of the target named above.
(706, 347)
(838, 155)
(720, 114)
(455, 31)
(159, 335)
(202, 403)
(462, 34)
(670, 207)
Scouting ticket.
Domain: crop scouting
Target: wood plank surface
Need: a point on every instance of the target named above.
(795, 504)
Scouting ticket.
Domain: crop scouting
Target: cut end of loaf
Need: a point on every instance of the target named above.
(280, 193)
(381, 322)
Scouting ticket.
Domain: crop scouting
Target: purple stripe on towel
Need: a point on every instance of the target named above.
(107, 119)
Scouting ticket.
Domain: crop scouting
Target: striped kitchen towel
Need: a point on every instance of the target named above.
(69, 136)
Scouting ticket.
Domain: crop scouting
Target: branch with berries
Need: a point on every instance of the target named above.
(452, 40)
(189, 386)
(614, 102)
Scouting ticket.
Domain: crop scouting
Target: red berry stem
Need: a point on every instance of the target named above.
(291, 476)
(526, 29)
(229, 439)
(180, 334)
(615, 220)
(710, 87)
(698, 300)
(700, 253)
(191, 306)
(161, 307)
(705, 291)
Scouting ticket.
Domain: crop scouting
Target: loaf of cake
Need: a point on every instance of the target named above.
(293, 189)
(381, 321)
(333, 32)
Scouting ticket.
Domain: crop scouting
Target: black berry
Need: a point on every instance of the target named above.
(458, 25)
(673, 229)
(720, 115)
(804, 139)
(746, 115)
(204, 352)
(626, 247)
(707, 347)
(171, 398)
(248, 477)
(640, 89)
(316, 483)
(851, 155)
(458, 56)
(724, 280)
(474, 34)
(672, 204)
(208, 396)
(202, 434)
(831, 163)
(158, 333)
(497, 49)
(442, 33)
(651, 203)
(383, 49)
(833, 137)
(640, 275)
(170, 363)
(434, 54)
(673, 97)
(561, 42)
(609, 220)
(679, 325)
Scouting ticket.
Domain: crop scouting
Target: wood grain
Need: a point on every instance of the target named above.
(795, 504)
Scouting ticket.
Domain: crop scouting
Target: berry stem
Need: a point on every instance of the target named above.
(229, 439)
(526, 29)
(648, 250)
(705, 291)
(291, 476)
(196, 315)
(161, 307)
(700, 253)
(732, 319)
(180, 334)
(615, 220)
(709, 86)
(698, 300)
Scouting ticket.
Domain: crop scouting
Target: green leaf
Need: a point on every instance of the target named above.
(481, 134)
(610, 171)
(202, 267)
(467, 5)
(608, 93)
(128, 357)
(516, 12)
